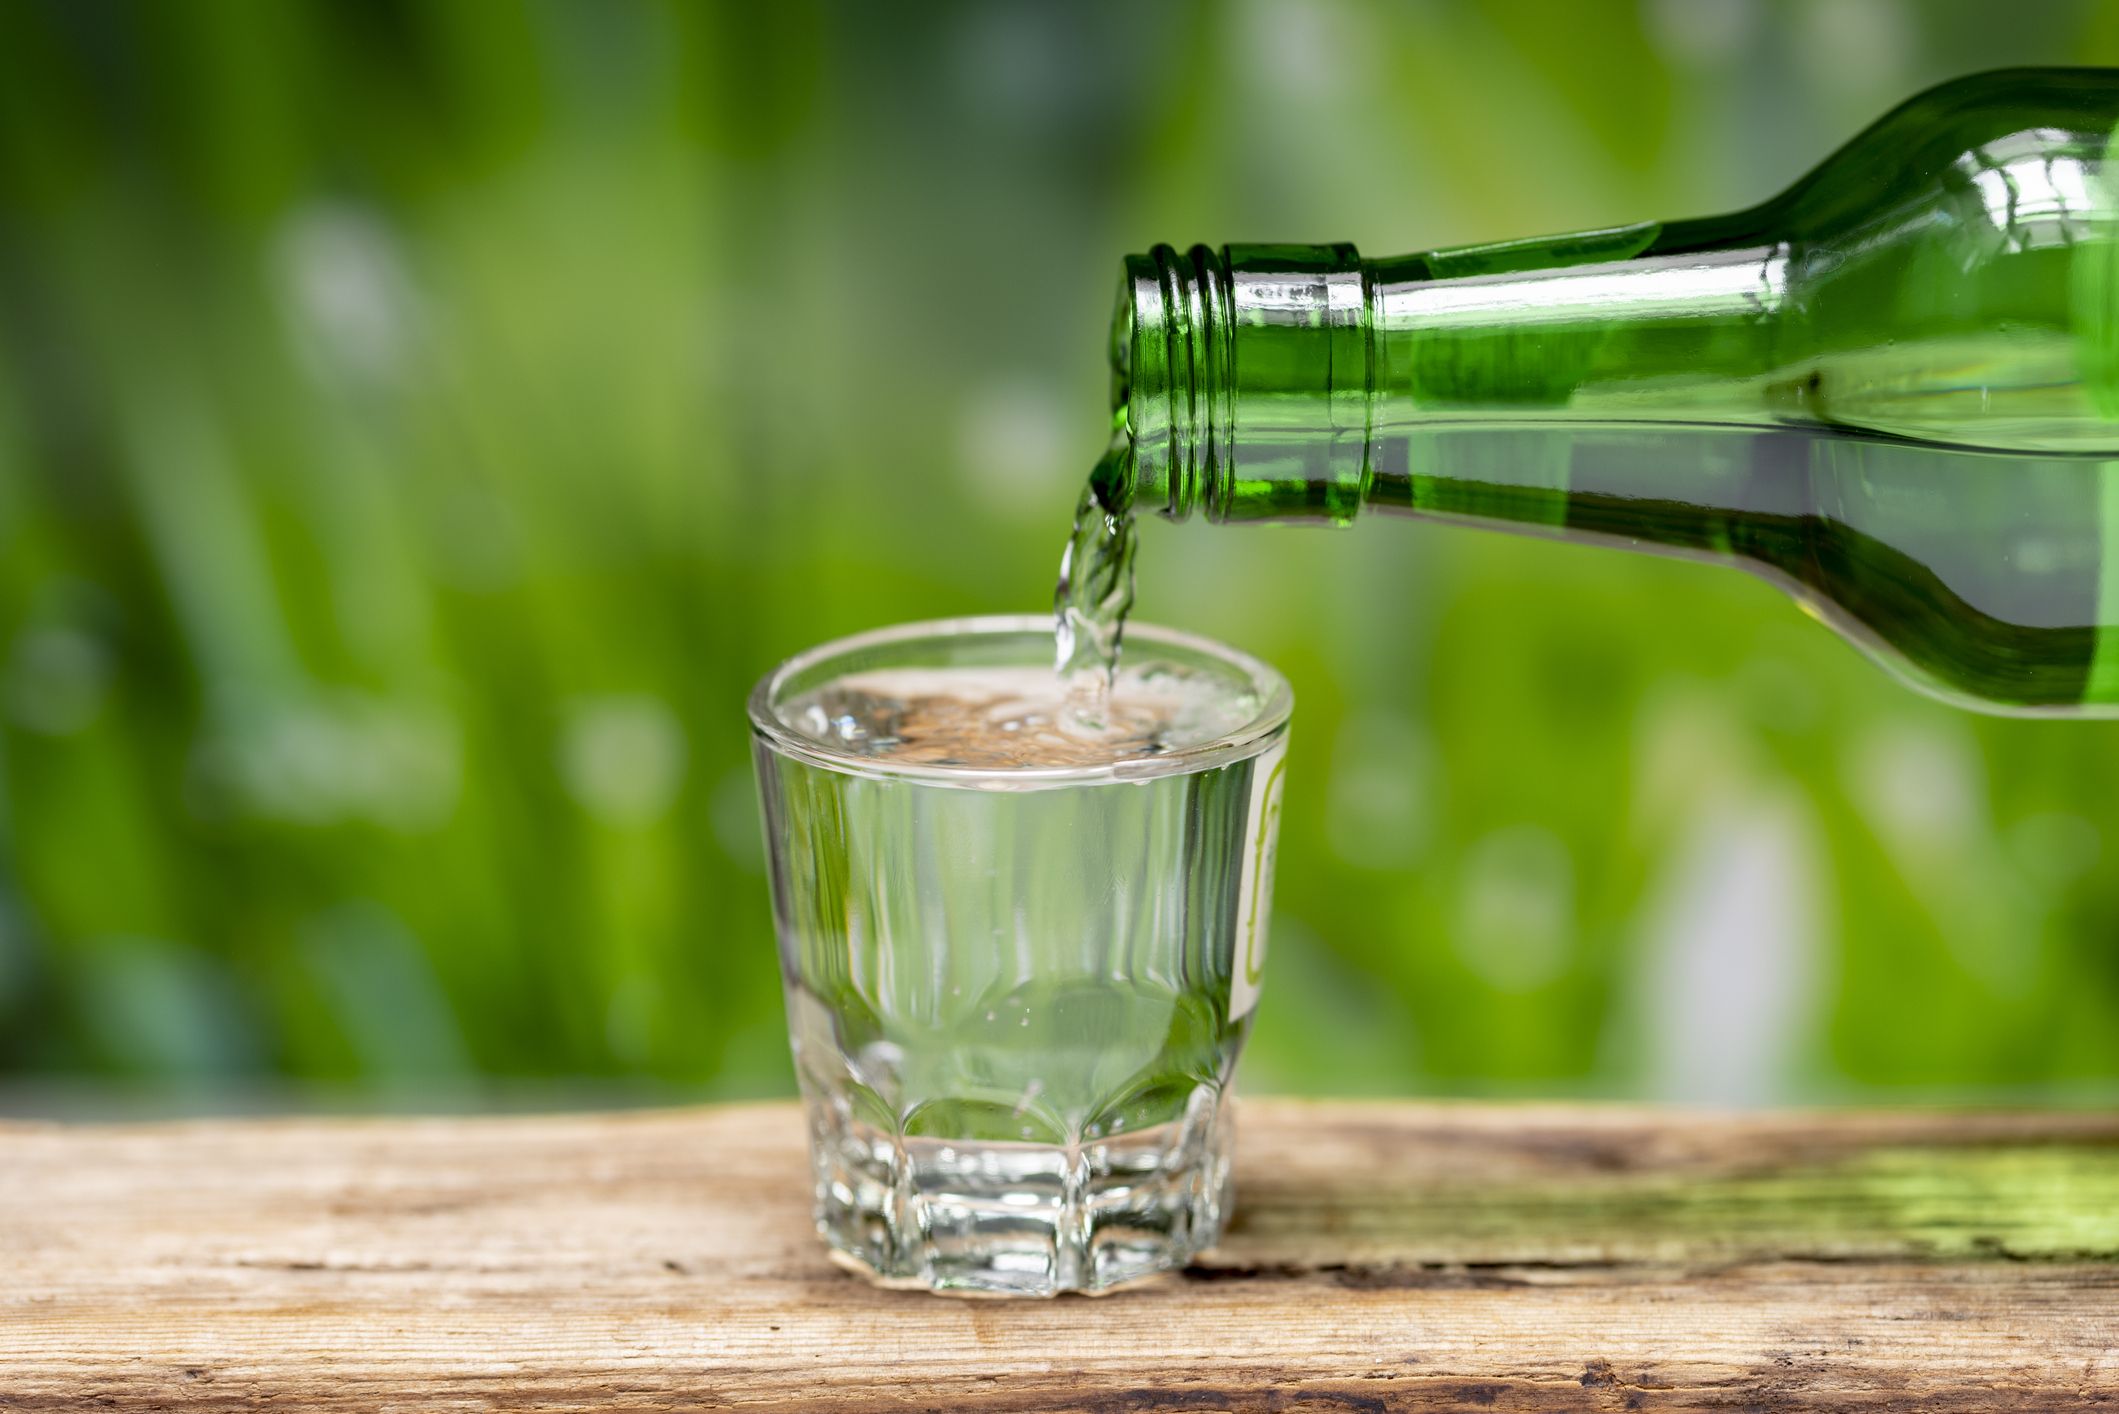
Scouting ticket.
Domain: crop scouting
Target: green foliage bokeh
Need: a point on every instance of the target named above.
(421, 422)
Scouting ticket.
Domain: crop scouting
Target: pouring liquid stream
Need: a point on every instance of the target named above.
(1095, 591)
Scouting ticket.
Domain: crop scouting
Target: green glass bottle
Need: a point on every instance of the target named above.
(1894, 388)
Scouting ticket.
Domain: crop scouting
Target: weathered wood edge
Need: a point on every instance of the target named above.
(1387, 1257)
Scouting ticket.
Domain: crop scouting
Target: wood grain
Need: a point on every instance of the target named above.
(1385, 1257)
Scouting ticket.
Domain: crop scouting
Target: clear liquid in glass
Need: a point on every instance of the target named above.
(1021, 952)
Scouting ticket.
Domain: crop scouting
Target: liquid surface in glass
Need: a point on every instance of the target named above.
(1017, 718)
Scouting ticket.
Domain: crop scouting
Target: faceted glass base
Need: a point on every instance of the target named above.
(990, 1217)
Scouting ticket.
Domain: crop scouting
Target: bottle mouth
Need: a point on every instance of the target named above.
(1285, 433)
(1170, 385)
(1121, 350)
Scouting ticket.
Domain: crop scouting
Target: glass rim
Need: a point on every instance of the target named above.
(1253, 738)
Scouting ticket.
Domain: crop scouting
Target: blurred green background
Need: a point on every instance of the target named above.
(421, 422)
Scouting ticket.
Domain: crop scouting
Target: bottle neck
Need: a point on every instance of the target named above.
(1302, 382)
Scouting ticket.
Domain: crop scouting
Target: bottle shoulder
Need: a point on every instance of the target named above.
(1938, 139)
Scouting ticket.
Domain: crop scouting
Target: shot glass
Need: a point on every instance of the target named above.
(1016, 996)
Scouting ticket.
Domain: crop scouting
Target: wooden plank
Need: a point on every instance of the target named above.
(1385, 1257)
